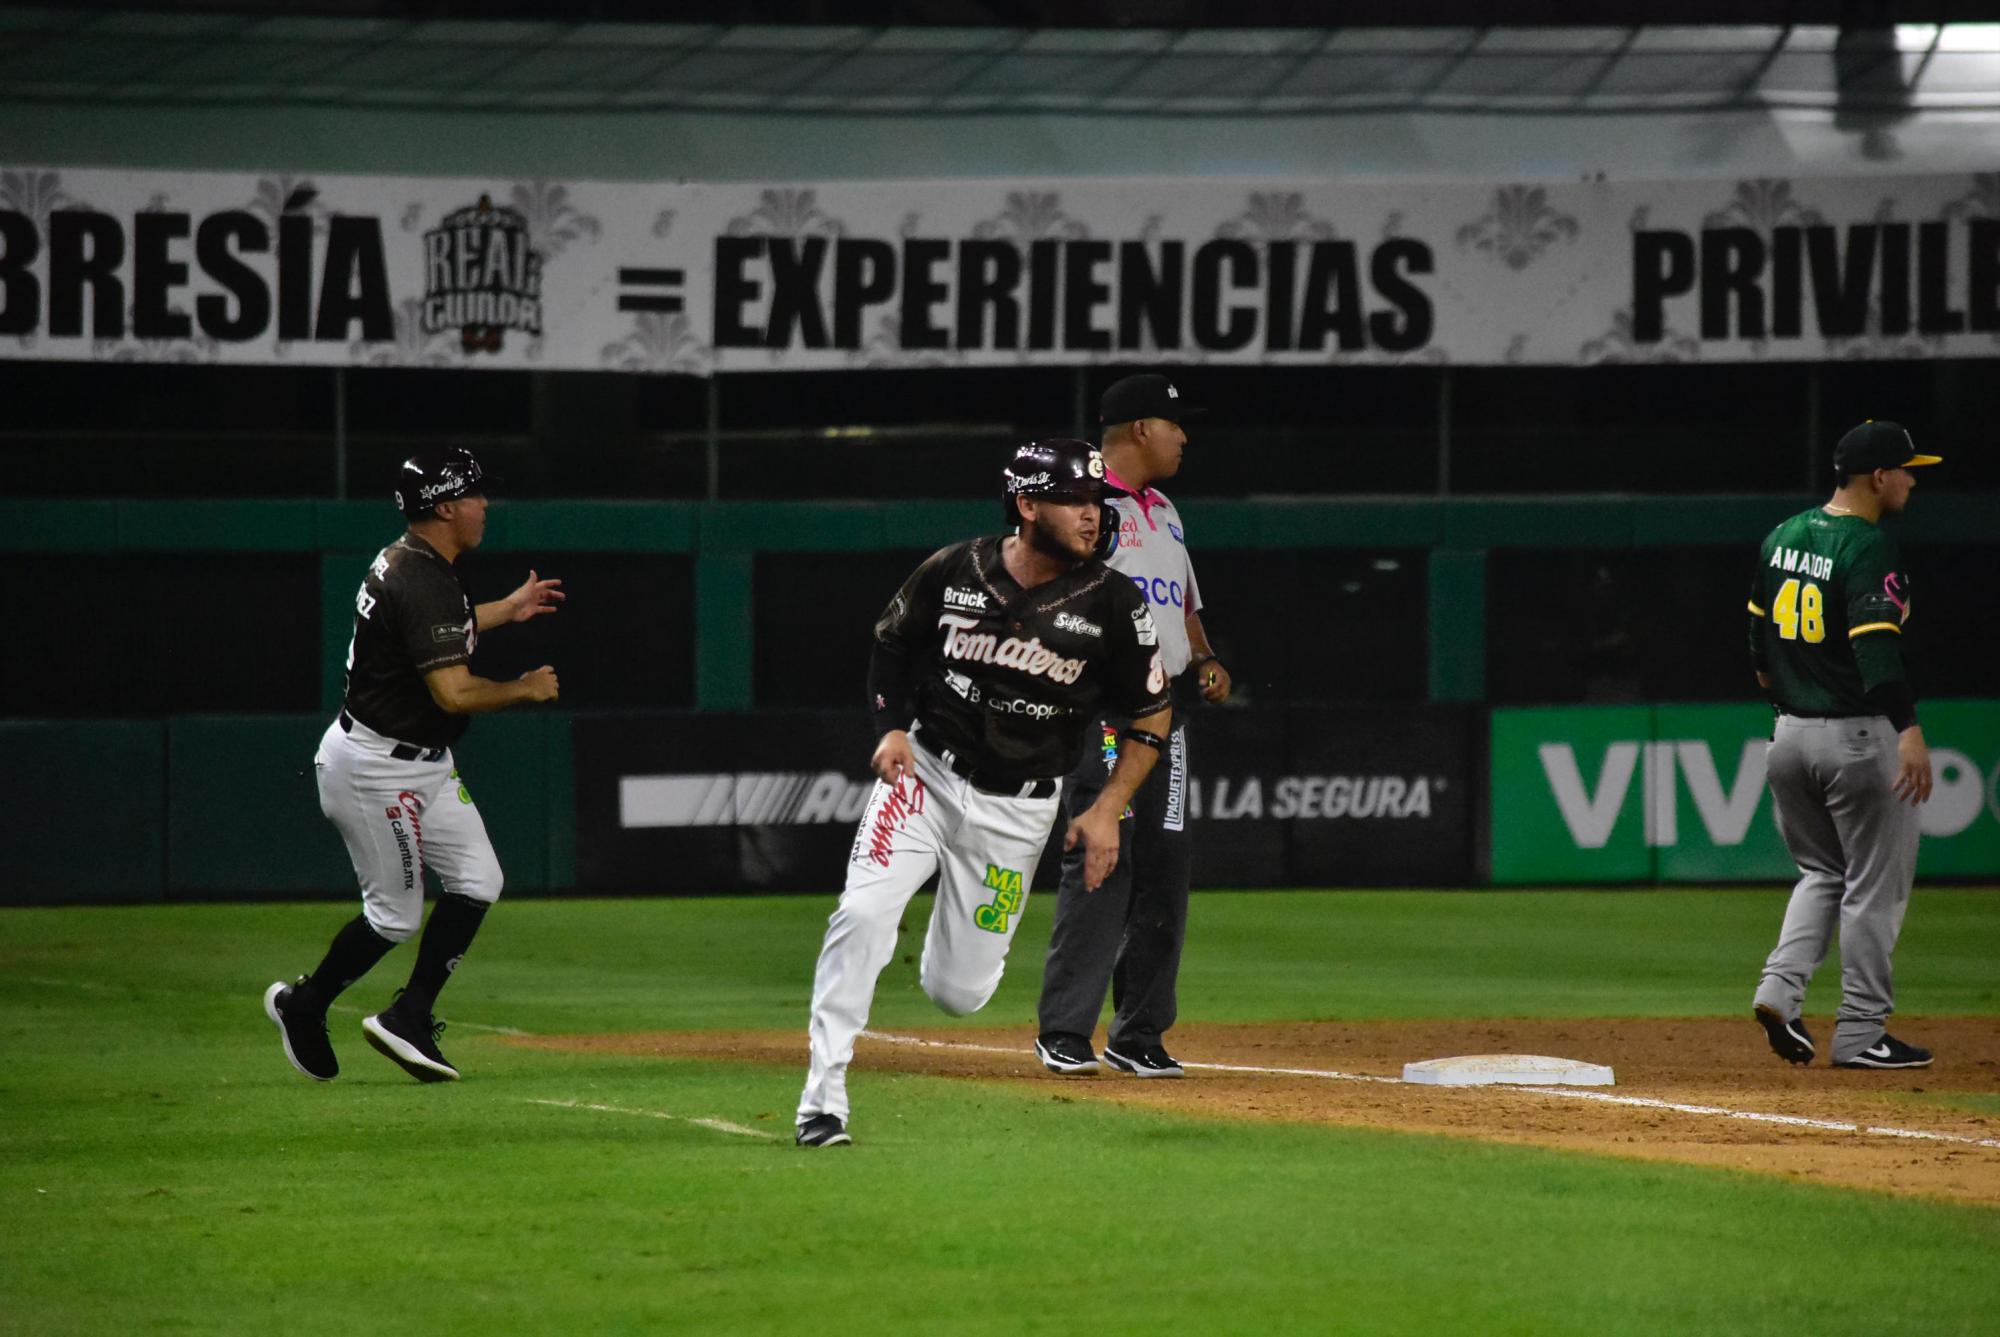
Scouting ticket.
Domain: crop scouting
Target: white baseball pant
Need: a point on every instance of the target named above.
(397, 816)
(983, 848)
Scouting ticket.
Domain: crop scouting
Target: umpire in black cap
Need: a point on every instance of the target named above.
(1126, 936)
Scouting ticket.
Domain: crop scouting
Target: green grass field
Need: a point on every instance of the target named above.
(163, 1170)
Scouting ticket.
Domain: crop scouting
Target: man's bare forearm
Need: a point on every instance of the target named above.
(483, 696)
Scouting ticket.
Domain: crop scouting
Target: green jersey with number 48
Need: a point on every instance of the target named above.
(1827, 608)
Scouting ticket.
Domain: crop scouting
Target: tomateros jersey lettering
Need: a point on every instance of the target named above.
(1827, 608)
(1011, 679)
(963, 640)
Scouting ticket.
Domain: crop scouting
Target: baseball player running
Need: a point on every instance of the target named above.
(1128, 934)
(387, 780)
(1847, 762)
(1002, 649)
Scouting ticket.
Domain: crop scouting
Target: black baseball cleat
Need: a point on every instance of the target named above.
(303, 1029)
(1152, 1061)
(1066, 1055)
(1889, 1052)
(1789, 1040)
(410, 1042)
(823, 1130)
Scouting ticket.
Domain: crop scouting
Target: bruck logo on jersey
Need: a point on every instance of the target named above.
(954, 597)
(482, 277)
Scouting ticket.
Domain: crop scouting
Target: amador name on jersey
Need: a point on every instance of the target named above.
(1828, 605)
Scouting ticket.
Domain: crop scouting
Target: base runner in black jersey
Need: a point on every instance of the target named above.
(387, 780)
(990, 665)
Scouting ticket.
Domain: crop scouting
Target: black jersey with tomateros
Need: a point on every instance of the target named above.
(1010, 679)
(1828, 602)
(411, 616)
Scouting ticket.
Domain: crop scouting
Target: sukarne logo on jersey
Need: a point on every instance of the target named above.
(1081, 626)
(482, 277)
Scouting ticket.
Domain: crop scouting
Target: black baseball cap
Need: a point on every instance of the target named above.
(1878, 444)
(1146, 396)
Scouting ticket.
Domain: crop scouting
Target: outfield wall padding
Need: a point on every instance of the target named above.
(82, 811)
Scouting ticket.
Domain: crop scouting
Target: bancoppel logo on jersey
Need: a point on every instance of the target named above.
(1081, 626)
(482, 277)
(1033, 710)
(956, 597)
(1029, 656)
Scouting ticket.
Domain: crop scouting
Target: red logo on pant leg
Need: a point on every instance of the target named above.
(393, 814)
(897, 806)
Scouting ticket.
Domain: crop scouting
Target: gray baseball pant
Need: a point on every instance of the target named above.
(1856, 848)
(1128, 933)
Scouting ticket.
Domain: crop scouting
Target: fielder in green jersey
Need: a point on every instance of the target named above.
(1847, 762)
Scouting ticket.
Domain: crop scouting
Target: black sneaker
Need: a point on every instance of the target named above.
(410, 1042)
(824, 1130)
(303, 1029)
(1152, 1061)
(1066, 1055)
(1789, 1040)
(1889, 1052)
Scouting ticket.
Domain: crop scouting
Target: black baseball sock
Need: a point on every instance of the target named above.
(453, 923)
(355, 950)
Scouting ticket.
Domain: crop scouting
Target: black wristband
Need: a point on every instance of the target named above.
(1152, 740)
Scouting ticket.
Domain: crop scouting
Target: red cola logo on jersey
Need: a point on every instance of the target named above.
(962, 641)
(481, 276)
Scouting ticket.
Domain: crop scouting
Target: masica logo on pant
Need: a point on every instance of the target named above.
(1677, 794)
(1005, 883)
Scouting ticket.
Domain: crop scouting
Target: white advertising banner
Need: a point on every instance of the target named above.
(696, 279)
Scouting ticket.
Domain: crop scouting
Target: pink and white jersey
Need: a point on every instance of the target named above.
(1152, 553)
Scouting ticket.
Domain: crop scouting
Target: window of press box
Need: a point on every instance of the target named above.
(1318, 625)
(1654, 624)
(623, 639)
(151, 634)
(814, 622)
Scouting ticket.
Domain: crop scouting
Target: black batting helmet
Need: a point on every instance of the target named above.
(1062, 468)
(444, 474)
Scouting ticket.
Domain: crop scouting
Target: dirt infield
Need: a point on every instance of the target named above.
(1722, 1066)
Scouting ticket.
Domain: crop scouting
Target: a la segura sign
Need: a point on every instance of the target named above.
(701, 278)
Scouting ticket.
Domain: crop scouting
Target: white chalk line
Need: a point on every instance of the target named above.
(1557, 1092)
(94, 987)
(714, 1125)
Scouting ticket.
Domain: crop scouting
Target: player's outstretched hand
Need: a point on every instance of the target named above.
(541, 683)
(1098, 831)
(534, 598)
(1913, 767)
(892, 760)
